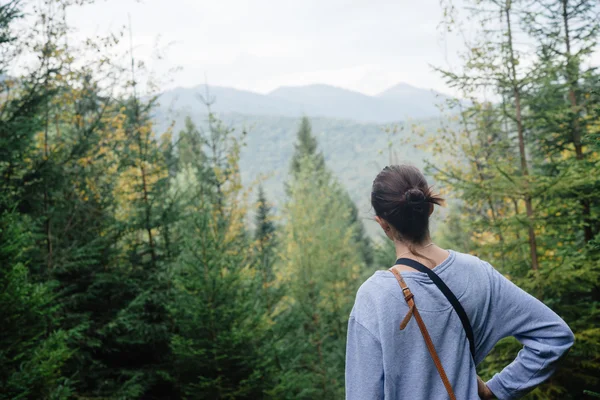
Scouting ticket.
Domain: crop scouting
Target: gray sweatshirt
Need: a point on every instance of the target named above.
(383, 362)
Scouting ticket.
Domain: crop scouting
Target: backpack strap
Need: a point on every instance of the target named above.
(460, 311)
(412, 311)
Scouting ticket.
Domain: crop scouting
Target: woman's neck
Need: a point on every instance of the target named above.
(427, 252)
(406, 249)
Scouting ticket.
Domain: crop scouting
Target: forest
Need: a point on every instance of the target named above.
(136, 264)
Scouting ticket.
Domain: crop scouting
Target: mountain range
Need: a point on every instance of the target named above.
(398, 103)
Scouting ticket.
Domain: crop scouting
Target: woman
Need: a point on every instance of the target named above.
(384, 362)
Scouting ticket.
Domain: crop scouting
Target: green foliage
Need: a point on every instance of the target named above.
(190, 145)
(306, 146)
(128, 270)
(265, 227)
(320, 271)
(217, 345)
(534, 217)
(361, 238)
(32, 348)
(220, 327)
(352, 151)
(265, 242)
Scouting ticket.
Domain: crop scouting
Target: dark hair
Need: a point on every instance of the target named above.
(402, 197)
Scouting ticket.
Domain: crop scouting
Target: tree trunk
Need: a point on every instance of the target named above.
(136, 126)
(520, 131)
(148, 215)
(572, 79)
(47, 223)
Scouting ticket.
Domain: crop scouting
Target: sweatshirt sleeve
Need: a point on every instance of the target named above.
(364, 364)
(544, 335)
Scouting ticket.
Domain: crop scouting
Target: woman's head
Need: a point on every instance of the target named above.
(403, 201)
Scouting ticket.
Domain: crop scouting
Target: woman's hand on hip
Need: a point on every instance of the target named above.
(484, 392)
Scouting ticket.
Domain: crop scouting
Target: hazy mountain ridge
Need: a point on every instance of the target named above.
(398, 103)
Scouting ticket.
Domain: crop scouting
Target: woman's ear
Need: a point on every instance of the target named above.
(384, 225)
(387, 229)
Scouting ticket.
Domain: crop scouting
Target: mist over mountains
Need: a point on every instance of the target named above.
(398, 103)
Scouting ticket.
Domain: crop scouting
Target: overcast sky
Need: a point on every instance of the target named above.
(364, 45)
(259, 45)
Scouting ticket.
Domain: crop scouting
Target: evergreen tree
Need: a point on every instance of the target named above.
(265, 241)
(527, 149)
(109, 219)
(190, 145)
(566, 32)
(135, 351)
(362, 239)
(306, 146)
(320, 272)
(218, 348)
(265, 227)
(33, 350)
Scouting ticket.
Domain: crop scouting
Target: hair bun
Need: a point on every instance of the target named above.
(415, 199)
(401, 196)
(414, 196)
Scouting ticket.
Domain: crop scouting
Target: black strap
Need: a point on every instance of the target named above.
(449, 295)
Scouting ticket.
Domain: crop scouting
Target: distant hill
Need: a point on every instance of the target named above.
(329, 101)
(398, 103)
(416, 102)
(227, 100)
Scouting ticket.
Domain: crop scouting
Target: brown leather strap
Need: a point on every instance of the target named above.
(412, 311)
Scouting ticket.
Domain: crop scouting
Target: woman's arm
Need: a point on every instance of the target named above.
(544, 335)
(364, 364)
(484, 391)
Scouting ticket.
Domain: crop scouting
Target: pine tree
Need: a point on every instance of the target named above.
(320, 271)
(555, 172)
(33, 350)
(265, 239)
(566, 32)
(265, 227)
(109, 219)
(564, 97)
(190, 145)
(306, 146)
(136, 352)
(218, 349)
(361, 237)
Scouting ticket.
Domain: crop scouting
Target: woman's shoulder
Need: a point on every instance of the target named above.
(376, 285)
(458, 271)
(470, 269)
(466, 258)
(373, 300)
(469, 263)
(382, 282)
(373, 293)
